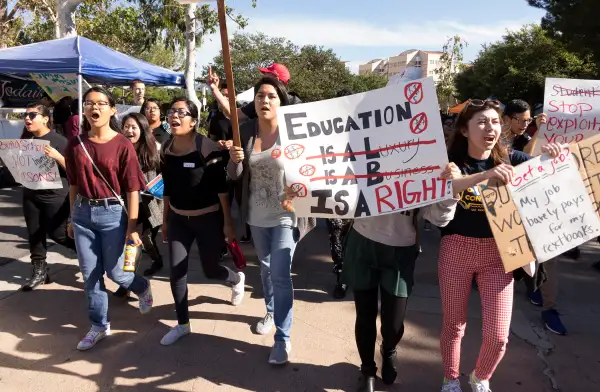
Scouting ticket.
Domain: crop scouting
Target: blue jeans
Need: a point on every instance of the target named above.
(100, 240)
(275, 249)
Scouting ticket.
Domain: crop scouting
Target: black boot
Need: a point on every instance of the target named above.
(39, 276)
(339, 291)
(388, 367)
(366, 383)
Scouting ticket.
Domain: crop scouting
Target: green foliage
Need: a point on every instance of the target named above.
(368, 82)
(317, 73)
(574, 23)
(450, 63)
(203, 126)
(517, 67)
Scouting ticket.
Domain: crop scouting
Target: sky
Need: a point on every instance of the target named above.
(359, 31)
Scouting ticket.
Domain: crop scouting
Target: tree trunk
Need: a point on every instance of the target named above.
(66, 21)
(190, 54)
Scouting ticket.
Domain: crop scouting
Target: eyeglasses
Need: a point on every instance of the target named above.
(152, 109)
(523, 121)
(180, 112)
(101, 104)
(31, 115)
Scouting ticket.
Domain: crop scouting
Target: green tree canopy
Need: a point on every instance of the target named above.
(317, 73)
(573, 22)
(517, 67)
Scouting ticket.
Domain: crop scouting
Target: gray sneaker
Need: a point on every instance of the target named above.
(265, 325)
(280, 353)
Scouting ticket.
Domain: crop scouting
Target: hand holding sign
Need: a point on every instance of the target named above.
(236, 154)
(52, 153)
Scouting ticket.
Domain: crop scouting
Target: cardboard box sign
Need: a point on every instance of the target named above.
(505, 221)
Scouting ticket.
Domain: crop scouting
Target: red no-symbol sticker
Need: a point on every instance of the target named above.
(293, 151)
(307, 170)
(414, 92)
(300, 189)
(418, 124)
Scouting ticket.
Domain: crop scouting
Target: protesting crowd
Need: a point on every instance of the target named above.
(104, 206)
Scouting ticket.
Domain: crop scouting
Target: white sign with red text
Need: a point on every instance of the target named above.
(367, 154)
(573, 110)
(554, 205)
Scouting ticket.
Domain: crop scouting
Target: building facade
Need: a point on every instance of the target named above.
(428, 61)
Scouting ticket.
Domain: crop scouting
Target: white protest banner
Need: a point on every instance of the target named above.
(573, 109)
(554, 204)
(28, 165)
(58, 85)
(367, 154)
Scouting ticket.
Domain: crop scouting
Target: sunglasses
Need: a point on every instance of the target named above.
(31, 115)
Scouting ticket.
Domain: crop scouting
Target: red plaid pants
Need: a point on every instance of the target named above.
(461, 259)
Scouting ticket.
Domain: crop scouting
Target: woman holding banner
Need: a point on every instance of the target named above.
(468, 249)
(379, 262)
(275, 229)
(46, 211)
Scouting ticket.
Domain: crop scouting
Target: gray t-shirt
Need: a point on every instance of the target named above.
(267, 190)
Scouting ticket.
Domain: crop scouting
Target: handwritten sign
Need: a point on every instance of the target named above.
(554, 205)
(506, 224)
(28, 165)
(59, 85)
(573, 109)
(367, 154)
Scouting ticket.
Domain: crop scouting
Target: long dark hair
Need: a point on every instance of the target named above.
(458, 148)
(279, 88)
(44, 111)
(145, 148)
(192, 108)
(114, 124)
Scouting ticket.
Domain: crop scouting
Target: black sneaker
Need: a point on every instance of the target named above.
(553, 323)
(245, 240)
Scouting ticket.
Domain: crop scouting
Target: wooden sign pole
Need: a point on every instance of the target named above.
(235, 125)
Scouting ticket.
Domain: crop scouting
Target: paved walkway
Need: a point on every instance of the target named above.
(39, 332)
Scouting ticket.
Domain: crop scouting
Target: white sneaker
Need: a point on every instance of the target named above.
(265, 325)
(146, 300)
(451, 386)
(237, 290)
(92, 338)
(479, 385)
(175, 333)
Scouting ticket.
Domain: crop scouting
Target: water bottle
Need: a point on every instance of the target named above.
(130, 256)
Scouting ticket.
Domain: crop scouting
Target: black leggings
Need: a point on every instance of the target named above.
(45, 217)
(207, 230)
(393, 311)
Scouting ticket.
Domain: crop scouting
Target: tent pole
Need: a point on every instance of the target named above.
(80, 97)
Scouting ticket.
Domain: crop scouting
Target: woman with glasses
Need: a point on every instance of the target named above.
(151, 109)
(468, 248)
(46, 211)
(105, 180)
(196, 207)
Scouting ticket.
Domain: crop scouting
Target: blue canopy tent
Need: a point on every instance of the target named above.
(96, 63)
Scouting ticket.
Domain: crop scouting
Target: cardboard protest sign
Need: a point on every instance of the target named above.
(505, 220)
(367, 154)
(507, 227)
(573, 109)
(554, 205)
(29, 165)
(59, 85)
